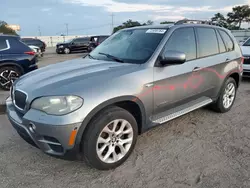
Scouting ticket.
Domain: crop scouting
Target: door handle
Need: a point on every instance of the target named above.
(227, 59)
(196, 69)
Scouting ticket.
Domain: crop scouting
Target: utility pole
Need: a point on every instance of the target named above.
(39, 31)
(112, 23)
(67, 28)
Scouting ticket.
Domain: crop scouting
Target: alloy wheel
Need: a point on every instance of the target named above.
(114, 141)
(7, 78)
(229, 95)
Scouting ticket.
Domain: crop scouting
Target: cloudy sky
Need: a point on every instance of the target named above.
(94, 16)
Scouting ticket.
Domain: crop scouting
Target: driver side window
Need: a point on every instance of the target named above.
(183, 40)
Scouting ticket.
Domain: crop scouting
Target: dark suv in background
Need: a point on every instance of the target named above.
(95, 41)
(73, 45)
(34, 42)
(16, 59)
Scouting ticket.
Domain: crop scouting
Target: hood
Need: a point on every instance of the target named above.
(61, 43)
(72, 75)
(245, 50)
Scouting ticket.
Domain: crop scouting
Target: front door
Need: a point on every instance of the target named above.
(177, 84)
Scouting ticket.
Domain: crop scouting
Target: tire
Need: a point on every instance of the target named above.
(66, 50)
(90, 141)
(221, 107)
(8, 75)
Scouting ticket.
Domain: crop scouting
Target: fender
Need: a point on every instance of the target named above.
(11, 63)
(103, 105)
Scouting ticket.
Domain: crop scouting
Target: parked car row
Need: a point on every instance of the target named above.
(82, 44)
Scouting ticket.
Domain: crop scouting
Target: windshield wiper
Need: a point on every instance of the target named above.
(90, 56)
(112, 57)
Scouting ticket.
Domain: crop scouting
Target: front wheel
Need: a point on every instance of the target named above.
(110, 138)
(227, 96)
(66, 50)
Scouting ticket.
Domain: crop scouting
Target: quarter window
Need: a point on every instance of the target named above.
(221, 44)
(183, 40)
(3, 44)
(228, 41)
(207, 41)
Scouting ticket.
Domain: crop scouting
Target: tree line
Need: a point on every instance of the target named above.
(233, 20)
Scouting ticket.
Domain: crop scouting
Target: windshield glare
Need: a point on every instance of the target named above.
(68, 41)
(131, 46)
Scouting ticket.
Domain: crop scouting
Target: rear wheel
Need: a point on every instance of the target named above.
(227, 96)
(110, 138)
(7, 77)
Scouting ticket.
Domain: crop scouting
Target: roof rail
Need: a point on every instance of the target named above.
(185, 21)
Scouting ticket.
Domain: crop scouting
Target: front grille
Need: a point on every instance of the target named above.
(247, 61)
(20, 99)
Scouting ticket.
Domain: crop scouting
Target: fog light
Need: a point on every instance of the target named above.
(32, 127)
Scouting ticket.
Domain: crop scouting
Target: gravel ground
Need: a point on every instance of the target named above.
(202, 149)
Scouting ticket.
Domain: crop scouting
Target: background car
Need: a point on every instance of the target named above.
(16, 59)
(37, 50)
(34, 42)
(95, 41)
(73, 45)
(245, 48)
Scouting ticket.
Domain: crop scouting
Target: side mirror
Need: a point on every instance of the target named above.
(172, 58)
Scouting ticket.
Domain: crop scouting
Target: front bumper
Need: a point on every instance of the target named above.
(50, 138)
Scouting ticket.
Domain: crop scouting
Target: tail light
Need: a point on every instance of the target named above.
(242, 60)
(30, 53)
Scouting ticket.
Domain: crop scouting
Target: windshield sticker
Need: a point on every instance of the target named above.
(158, 31)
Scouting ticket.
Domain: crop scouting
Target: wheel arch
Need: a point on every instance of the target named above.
(122, 102)
(11, 64)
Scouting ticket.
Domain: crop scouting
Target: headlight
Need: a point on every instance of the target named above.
(57, 105)
(61, 46)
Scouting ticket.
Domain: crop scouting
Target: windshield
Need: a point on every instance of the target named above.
(247, 43)
(68, 41)
(129, 46)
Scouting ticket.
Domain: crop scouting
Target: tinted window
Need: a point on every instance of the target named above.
(183, 40)
(207, 41)
(3, 44)
(101, 39)
(228, 41)
(221, 44)
(247, 43)
(131, 46)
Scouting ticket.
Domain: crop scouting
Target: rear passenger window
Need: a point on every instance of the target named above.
(183, 40)
(228, 41)
(207, 41)
(3, 44)
(221, 44)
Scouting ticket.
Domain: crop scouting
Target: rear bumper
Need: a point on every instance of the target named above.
(51, 139)
(246, 70)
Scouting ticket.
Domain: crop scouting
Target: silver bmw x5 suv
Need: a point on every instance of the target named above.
(141, 77)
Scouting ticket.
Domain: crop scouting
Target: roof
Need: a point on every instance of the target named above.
(167, 26)
(8, 36)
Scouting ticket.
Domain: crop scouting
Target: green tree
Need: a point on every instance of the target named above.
(4, 29)
(238, 15)
(130, 23)
(167, 22)
(220, 20)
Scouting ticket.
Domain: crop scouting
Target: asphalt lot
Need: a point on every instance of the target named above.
(202, 149)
